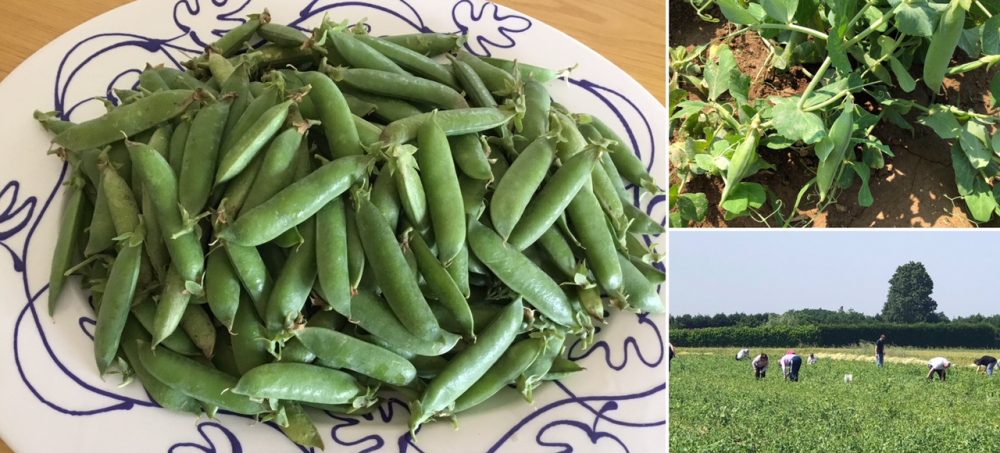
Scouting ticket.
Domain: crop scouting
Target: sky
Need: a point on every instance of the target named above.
(757, 271)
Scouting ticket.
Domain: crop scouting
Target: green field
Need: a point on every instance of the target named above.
(716, 405)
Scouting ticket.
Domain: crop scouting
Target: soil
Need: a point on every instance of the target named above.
(915, 189)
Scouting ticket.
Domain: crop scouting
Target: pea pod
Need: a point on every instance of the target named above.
(555, 196)
(468, 366)
(368, 133)
(623, 156)
(297, 202)
(394, 278)
(221, 68)
(160, 392)
(511, 364)
(520, 274)
(453, 122)
(175, 151)
(839, 139)
(430, 44)
(250, 347)
(592, 231)
(520, 182)
(386, 198)
(145, 313)
(245, 148)
(200, 155)
(442, 286)
(360, 55)
(409, 185)
(343, 351)
(129, 120)
(639, 292)
(282, 35)
(181, 80)
(222, 288)
(473, 85)
(294, 351)
(158, 180)
(277, 170)
(373, 314)
(198, 325)
(943, 44)
(526, 71)
(237, 191)
(298, 382)
(170, 308)
(355, 252)
(470, 156)
(234, 39)
(536, 113)
(151, 81)
(401, 86)
(331, 256)
(115, 304)
(300, 428)
(72, 222)
(437, 172)
(334, 114)
(559, 251)
(101, 229)
(292, 287)
(497, 80)
(532, 377)
(196, 380)
(385, 107)
(459, 271)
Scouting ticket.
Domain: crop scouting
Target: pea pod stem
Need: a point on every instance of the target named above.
(797, 28)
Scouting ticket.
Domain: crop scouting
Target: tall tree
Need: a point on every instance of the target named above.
(909, 297)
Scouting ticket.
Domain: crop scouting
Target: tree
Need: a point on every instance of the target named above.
(909, 297)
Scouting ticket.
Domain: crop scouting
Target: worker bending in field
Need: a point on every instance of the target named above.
(812, 359)
(880, 351)
(760, 366)
(987, 361)
(790, 365)
(939, 366)
(743, 354)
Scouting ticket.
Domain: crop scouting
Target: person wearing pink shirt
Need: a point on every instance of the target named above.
(790, 365)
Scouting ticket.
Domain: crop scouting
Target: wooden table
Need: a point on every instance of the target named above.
(632, 37)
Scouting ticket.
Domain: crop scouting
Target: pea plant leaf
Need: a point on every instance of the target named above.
(903, 76)
(991, 35)
(915, 17)
(865, 198)
(742, 198)
(780, 10)
(795, 124)
(843, 11)
(995, 90)
(736, 13)
(970, 41)
(976, 193)
(975, 149)
(942, 122)
(718, 75)
(692, 206)
(995, 142)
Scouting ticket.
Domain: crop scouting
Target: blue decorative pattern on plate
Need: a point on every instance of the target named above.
(55, 400)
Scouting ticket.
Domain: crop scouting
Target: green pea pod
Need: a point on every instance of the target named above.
(468, 366)
(160, 392)
(237, 87)
(277, 170)
(198, 325)
(182, 80)
(459, 271)
(355, 252)
(159, 181)
(150, 80)
(386, 198)
(297, 202)
(292, 287)
(298, 382)
(178, 140)
(430, 44)
(592, 231)
(358, 106)
(413, 61)
(526, 71)
(282, 35)
(840, 141)
(397, 282)
(252, 272)
(591, 302)
(74, 216)
(453, 122)
(200, 156)
(196, 380)
(640, 222)
(536, 113)
(467, 151)
(250, 347)
(237, 190)
(102, 229)
(386, 107)
(373, 314)
(221, 68)
(170, 308)
(640, 293)
(442, 286)
(328, 320)
(334, 114)
(511, 364)
(246, 147)
(473, 85)
(942, 45)
(497, 80)
(145, 313)
(532, 377)
(300, 428)
(234, 39)
(294, 351)
(368, 133)
(520, 182)
(254, 110)
(222, 288)
(555, 196)
(437, 173)
(562, 368)
(622, 154)
(559, 251)
(331, 256)
(409, 185)
(400, 86)
(121, 202)
(520, 274)
(224, 359)
(115, 303)
(360, 55)
(343, 351)
(129, 120)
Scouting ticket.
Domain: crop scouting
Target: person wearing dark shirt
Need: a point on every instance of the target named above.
(880, 351)
(987, 361)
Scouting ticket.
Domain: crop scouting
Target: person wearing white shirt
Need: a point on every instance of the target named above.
(790, 365)
(744, 353)
(759, 364)
(939, 366)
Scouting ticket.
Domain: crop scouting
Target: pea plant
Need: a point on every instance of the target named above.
(864, 53)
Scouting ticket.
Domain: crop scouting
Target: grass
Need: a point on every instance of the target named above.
(717, 406)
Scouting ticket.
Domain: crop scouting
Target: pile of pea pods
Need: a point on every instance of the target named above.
(320, 221)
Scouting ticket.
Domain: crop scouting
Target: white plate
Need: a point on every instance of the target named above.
(55, 401)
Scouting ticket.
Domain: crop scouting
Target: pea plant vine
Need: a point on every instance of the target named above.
(876, 52)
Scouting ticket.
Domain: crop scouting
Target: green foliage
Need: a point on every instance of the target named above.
(924, 335)
(909, 298)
